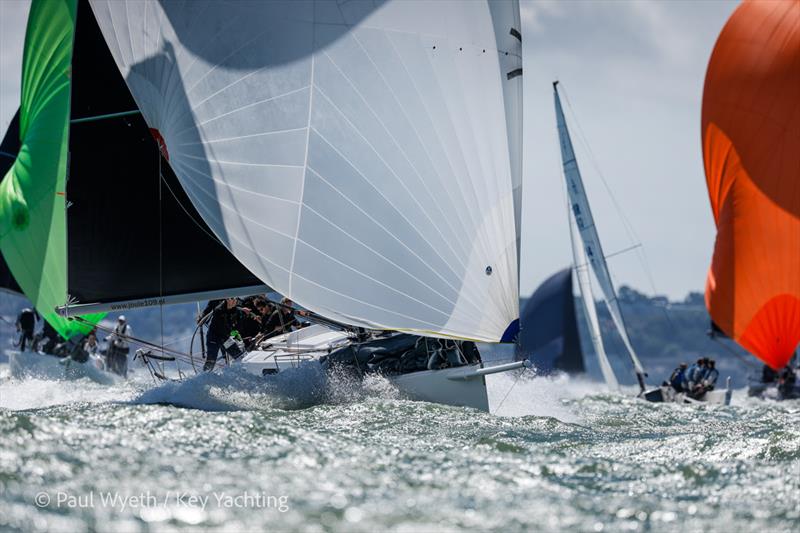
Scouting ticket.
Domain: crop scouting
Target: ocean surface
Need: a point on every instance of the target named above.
(234, 453)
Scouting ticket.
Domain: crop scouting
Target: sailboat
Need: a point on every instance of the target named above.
(363, 160)
(750, 143)
(588, 254)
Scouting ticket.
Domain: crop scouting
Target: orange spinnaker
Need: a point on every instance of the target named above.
(751, 151)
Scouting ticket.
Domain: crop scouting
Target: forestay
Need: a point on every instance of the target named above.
(354, 157)
(587, 231)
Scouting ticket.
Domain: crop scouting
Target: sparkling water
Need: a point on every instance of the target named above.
(297, 452)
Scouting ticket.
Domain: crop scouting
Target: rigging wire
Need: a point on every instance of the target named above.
(196, 223)
(161, 252)
(516, 380)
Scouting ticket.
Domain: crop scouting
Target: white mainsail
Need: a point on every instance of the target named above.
(587, 297)
(587, 231)
(357, 158)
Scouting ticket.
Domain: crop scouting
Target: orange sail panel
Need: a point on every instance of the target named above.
(751, 151)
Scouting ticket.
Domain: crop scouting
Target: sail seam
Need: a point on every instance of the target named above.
(401, 243)
(350, 163)
(236, 211)
(261, 134)
(466, 199)
(480, 236)
(322, 93)
(402, 215)
(422, 145)
(412, 276)
(220, 161)
(435, 327)
(373, 279)
(305, 170)
(265, 100)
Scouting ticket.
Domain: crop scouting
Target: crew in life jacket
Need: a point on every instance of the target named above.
(226, 316)
(695, 374)
(26, 323)
(711, 376)
(678, 380)
(117, 352)
(90, 344)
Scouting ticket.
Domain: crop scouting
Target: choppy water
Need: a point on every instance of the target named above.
(287, 456)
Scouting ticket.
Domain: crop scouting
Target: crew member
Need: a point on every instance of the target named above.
(696, 373)
(26, 323)
(52, 336)
(117, 352)
(90, 344)
(283, 319)
(678, 379)
(711, 376)
(226, 316)
(787, 379)
(257, 311)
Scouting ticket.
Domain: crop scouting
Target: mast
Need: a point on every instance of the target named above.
(587, 297)
(582, 215)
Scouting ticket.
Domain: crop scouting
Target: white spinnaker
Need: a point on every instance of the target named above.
(354, 157)
(587, 297)
(587, 231)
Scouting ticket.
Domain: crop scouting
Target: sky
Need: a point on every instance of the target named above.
(632, 73)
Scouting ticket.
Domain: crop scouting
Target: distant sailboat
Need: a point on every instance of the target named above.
(588, 252)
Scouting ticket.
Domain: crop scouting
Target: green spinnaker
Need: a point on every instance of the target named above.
(33, 233)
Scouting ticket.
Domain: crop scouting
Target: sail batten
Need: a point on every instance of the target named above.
(395, 125)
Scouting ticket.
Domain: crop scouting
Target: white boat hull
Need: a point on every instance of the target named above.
(463, 386)
(26, 365)
(668, 394)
